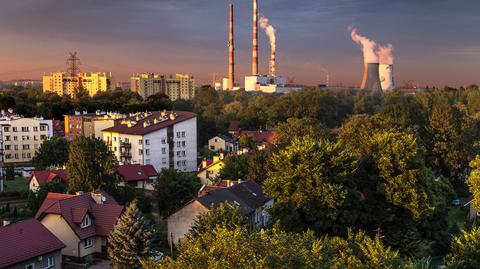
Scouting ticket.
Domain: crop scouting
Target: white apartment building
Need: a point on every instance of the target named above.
(180, 86)
(162, 139)
(22, 137)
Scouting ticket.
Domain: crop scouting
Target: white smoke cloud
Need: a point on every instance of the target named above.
(385, 54)
(372, 52)
(270, 31)
(368, 46)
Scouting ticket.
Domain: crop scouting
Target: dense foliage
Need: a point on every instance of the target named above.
(52, 153)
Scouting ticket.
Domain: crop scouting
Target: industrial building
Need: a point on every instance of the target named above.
(180, 86)
(63, 83)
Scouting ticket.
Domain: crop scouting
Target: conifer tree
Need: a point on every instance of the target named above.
(130, 240)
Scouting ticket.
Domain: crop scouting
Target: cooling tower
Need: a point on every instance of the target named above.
(231, 52)
(255, 39)
(371, 77)
(386, 77)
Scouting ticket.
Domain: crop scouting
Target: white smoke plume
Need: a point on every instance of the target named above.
(270, 31)
(368, 46)
(385, 54)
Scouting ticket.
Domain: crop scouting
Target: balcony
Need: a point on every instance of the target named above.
(126, 145)
(126, 154)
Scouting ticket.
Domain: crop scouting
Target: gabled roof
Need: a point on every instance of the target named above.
(259, 136)
(208, 163)
(247, 195)
(234, 126)
(226, 138)
(25, 240)
(136, 172)
(140, 129)
(73, 209)
(45, 176)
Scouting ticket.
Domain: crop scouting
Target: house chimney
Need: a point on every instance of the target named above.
(78, 193)
(6, 222)
(255, 39)
(231, 52)
(98, 197)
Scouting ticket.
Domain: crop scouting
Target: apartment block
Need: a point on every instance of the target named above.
(63, 84)
(162, 139)
(180, 86)
(90, 124)
(22, 137)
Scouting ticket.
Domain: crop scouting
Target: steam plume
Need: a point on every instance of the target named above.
(270, 31)
(368, 46)
(385, 54)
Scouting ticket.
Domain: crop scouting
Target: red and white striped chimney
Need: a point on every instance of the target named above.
(255, 39)
(231, 52)
(273, 65)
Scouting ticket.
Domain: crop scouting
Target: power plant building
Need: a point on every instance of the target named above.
(63, 84)
(180, 86)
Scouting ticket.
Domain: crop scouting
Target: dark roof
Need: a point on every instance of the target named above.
(247, 195)
(26, 240)
(227, 138)
(46, 176)
(136, 172)
(234, 126)
(74, 207)
(140, 129)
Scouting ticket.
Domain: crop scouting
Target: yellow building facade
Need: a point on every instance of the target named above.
(93, 83)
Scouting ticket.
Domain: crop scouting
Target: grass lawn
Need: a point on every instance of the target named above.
(19, 184)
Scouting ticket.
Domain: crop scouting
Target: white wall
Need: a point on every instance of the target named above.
(190, 139)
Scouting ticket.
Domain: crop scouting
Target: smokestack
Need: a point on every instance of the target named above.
(371, 77)
(386, 77)
(255, 39)
(231, 53)
(273, 67)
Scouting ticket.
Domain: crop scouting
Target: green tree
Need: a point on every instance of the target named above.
(258, 165)
(227, 216)
(465, 250)
(236, 167)
(130, 240)
(247, 142)
(91, 165)
(297, 128)
(52, 152)
(312, 183)
(10, 172)
(35, 199)
(174, 189)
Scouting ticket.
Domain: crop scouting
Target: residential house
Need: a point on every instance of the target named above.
(137, 176)
(222, 143)
(264, 139)
(29, 245)
(219, 184)
(162, 139)
(209, 170)
(82, 222)
(248, 196)
(90, 124)
(39, 178)
(234, 128)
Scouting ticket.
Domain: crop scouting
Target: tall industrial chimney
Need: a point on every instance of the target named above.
(273, 65)
(255, 39)
(231, 53)
(386, 77)
(371, 77)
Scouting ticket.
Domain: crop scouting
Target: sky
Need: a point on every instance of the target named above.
(436, 42)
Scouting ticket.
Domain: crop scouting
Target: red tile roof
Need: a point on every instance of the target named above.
(136, 172)
(26, 240)
(74, 207)
(46, 176)
(140, 129)
(234, 126)
(260, 136)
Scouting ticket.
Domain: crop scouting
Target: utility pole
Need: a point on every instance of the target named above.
(73, 63)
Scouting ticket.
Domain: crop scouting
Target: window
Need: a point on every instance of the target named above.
(184, 153)
(29, 155)
(36, 146)
(23, 155)
(35, 138)
(178, 153)
(6, 129)
(178, 134)
(43, 127)
(86, 222)
(30, 266)
(14, 129)
(43, 137)
(25, 129)
(25, 147)
(164, 150)
(88, 243)
(127, 140)
(7, 138)
(184, 144)
(140, 151)
(164, 141)
(183, 134)
(147, 142)
(184, 163)
(164, 160)
(147, 152)
(15, 138)
(49, 262)
(7, 147)
(114, 139)
(140, 142)
(15, 147)
(179, 144)
(35, 129)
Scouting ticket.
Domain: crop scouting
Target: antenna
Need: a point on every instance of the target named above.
(73, 63)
